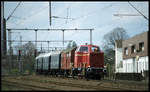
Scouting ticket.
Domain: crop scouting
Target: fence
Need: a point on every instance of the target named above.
(13, 65)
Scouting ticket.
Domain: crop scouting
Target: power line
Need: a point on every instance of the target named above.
(88, 14)
(49, 29)
(138, 11)
(18, 17)
(13, 12)
(37, 41)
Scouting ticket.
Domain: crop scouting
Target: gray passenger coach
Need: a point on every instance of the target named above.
(48, 63)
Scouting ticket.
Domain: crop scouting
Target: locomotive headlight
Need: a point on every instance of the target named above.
(89, 69)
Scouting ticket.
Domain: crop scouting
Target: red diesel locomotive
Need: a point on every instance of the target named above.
(89, 60)
(86, 60)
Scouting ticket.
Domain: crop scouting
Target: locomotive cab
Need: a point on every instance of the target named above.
(89, 58)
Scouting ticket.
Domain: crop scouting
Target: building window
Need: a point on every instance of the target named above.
(126, 51)
(133, 50)
(141, 46)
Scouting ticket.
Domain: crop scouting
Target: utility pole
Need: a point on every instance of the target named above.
(4, 43)
(35, 52)
(3, 32)
(91, 36)
(48, 45)
(63, 38)
(20, 60)
(41, 48)
(35, 38)
(50, 18)
(67, 14)
(20, 41)
(2, 28)
(10, 48)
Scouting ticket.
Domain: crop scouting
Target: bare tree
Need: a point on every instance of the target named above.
(116, 34)
(71, 44)
(109, 43)
(28, 49)
(74, 44)
(27, 56)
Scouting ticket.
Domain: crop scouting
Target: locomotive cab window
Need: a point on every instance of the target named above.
(95, 49)
(83, 49)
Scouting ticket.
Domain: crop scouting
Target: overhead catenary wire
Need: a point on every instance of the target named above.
(13, 12)
(38, 40)
(138, 11)
(88, 14)
(18, 17)
(55, 30)
(47, 29)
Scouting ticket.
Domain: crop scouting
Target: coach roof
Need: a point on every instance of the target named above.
(48, 54)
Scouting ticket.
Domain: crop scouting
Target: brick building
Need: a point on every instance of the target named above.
(134, 52)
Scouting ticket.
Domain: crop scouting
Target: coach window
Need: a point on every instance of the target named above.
(83, 49)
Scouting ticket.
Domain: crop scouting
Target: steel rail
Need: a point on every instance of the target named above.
(27, 85)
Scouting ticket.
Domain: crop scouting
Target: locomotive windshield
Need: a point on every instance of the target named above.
(83, 49)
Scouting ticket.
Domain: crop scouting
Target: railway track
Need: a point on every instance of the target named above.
(73, 85)
(25, 86)
(99, 85)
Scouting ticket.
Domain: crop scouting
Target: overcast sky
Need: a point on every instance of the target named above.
(96, 15)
